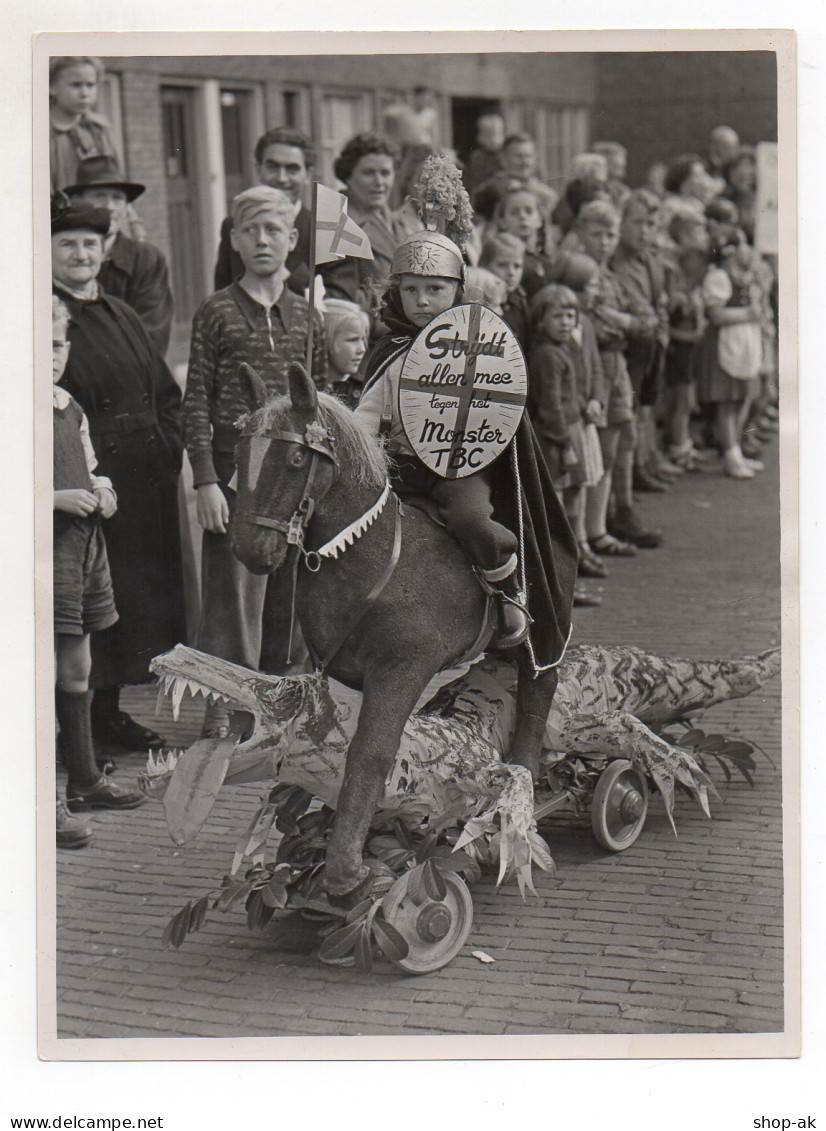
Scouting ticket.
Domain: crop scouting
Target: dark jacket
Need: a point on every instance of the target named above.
(133, 406)
(137, 273)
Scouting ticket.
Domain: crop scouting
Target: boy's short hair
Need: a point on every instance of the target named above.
(60, 63)
(556, 296)
(643, 198)
(60, 313)
(722, 210)
(254, 200)
(597, 212)
(281, 135)
(338, 312)
(503, 243)
(609, 149)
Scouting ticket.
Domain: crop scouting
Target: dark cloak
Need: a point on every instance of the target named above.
(114, 371)
(549, 556)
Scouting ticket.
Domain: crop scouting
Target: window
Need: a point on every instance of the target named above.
(342, 116)
(109, 106)
(561, 132)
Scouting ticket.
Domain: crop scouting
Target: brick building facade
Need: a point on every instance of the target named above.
(188, 124)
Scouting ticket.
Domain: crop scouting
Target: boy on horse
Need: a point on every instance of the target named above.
(506, 517)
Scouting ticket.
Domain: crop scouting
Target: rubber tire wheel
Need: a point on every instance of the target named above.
(614, 781)
(400, 911)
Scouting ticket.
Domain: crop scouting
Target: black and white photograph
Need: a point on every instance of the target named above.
(335, 756)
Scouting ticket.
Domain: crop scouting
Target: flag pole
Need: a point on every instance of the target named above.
(311, 318)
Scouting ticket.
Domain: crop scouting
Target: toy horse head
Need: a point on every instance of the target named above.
(292, 450)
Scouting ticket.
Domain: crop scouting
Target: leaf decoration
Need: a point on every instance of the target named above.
(199, 910)
(434, 881)
(363, 952)
(359, 912)
(176, 929)
(274, 895)
(391, 942)
(340, 943)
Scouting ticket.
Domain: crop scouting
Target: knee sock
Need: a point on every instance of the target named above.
(596, 506)
(73, 716)
(105, 705)
(624, 477)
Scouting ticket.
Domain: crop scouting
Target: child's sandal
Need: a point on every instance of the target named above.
(611, 547)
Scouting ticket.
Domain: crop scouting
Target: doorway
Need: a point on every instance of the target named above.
(180, 169)
(464, 113)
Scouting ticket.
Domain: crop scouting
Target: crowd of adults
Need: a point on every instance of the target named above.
(646, 314)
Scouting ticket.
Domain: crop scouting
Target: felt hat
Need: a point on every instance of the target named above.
(429, 254)
(78, 215)
(104, 172)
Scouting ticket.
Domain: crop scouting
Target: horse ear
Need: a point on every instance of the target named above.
(302, 390)
(256, 383)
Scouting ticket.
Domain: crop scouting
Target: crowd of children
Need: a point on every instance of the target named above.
(647, 318)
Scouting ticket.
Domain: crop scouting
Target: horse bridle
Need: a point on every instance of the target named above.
(295, 527)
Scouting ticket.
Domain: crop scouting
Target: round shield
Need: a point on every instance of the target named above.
(462, 390)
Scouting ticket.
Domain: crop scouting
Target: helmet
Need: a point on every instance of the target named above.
(429, 254)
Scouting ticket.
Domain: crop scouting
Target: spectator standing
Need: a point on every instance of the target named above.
(415, 130)
(587, 180)
(566, 396)
(518, 213)
(133, 407)
(642, 276)
(83, 601)
(598, 224)
(134, 271)
(284, 159)
(504, 255)
(76, 130)
(616, 160)
(347, 329)
(519, 164)
(367, 167)
(256, 321)
(723, 144)
(485, 159)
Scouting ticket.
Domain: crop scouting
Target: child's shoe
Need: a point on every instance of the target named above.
(71, 831)
(735, 466)
(627, 526)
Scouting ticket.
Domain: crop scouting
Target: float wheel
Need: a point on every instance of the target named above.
(619, 806)
(435, 930)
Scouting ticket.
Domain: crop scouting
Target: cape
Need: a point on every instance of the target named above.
(525, 501)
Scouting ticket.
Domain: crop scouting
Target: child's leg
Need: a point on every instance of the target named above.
(596, 500)
(467, 510)
(74, 663)
(678, 431)
(623, 475)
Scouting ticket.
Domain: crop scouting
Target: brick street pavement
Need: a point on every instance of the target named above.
(675, 935)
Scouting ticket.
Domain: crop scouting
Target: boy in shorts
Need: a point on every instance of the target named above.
(83, 601)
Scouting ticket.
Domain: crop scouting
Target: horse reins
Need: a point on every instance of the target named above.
(296, 527)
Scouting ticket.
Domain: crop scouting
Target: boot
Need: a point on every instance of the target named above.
(513, 619)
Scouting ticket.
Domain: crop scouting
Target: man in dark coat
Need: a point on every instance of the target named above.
(134, 271)
(133, 407)
(284, 160)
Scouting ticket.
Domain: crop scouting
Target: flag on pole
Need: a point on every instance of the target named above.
(336, 235)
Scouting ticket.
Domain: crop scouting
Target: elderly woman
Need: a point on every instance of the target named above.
(133, 406)
(367, 166)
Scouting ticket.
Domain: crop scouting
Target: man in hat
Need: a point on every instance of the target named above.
(132, 270)
(284, 160)
(132, 403)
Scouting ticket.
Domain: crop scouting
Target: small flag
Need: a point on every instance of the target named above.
(336, 235)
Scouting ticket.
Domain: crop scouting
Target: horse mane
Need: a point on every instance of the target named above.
(361, 456)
